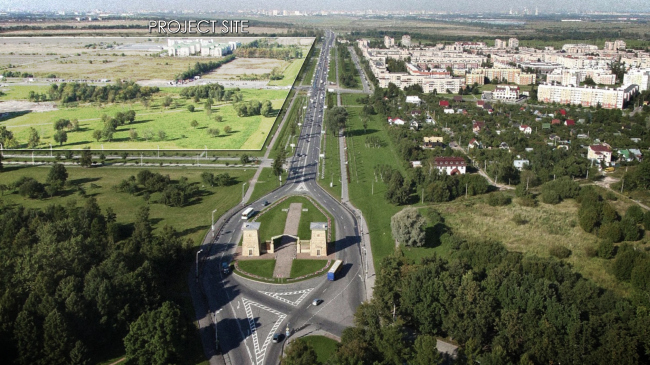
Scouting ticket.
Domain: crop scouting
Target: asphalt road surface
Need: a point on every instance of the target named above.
(248, 313)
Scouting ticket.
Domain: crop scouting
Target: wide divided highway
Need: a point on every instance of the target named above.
(248, 313)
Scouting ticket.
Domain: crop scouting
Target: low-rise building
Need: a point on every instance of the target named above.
(600, 153)
(509, 93)
(451, 165)
(519, 164)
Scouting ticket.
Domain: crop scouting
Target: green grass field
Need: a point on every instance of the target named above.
(266, 183)
(285, 138)
(247, 133)
(273, 221)
(191, 221)
(362, 161)
(305, 267)
(263, 268)
(332, 165)
(325, 347)
(331, 75)
(311, 68)
(289, 73)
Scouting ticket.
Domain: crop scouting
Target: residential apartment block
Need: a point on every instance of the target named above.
(639, 77)
(200, 47)
(586, 96)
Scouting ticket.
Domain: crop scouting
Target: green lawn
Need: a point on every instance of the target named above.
(191, 221)
(325, 347)
(247, 132)
(362, 161)
(266, 183)
(305, 267)
(273, 220)
(290, 73)
(332, 164)
(331, 75)
(21, 92)
(263, 268)
(311, 68)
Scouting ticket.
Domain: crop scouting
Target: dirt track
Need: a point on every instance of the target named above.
(21, 106)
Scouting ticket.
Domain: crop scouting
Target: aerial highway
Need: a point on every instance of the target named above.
(244, 313)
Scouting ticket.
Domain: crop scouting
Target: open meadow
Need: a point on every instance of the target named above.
(175, 121)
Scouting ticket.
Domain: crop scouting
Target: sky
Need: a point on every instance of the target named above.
(329, 5)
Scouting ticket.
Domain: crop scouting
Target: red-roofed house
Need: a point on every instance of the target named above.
(563, 112)
(480, 103)
(451, 165)
(569, 122)
(526, 129)
(395, 121)
(556, 121)
(444, 103)
(474, 143)
(600, 152)
(478, 126)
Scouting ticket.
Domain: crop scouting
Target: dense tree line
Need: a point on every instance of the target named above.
(120, 91)
(336, 119)
(501, 308)
(74, 281)
(349, 73)
(200, 68)
(262, 48)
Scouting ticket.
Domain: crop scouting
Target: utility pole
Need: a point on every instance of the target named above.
(422, 196)
(197, 264)
(622, 185)
(465, 190)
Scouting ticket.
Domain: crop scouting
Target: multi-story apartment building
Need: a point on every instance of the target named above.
(579, 48)
(202, 47)
(389, 41)
(615, 46)
(471, 79)
(499, 44)
(639, 77)
(574, 77)
(406, 40)
(508, 74)
(513, 43)
(586, 96)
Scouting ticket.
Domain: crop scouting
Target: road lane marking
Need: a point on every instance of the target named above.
(260, 351)
(280, 296)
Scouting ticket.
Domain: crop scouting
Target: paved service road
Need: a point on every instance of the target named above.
(248, 313)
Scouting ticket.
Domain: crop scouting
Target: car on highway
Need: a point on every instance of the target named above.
(316, 302)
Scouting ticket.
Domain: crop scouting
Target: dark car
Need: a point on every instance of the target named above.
(277, 337)
(266, 202)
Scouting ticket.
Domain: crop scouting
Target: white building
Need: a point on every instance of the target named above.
(639, 77)
(600, 153)
(526, 129)
(513, 43)
(586, 96)
(499, 44)
(519, 164)
(413, 100)
(406, 40)
(389, 41)
(451, 165)
(510, 93)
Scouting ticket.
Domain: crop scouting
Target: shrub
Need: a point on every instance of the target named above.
(611, 231)
(606, 249)
(635, 213)
(498, 199)
(624, 263)
(640, 277)
(560, 252)
(631, 231)
(550, 197)
(646, 220)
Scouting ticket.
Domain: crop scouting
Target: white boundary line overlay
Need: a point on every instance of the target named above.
(260, 352)
(279, 296)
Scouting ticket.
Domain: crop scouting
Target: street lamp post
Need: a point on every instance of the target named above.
(197, 263)
(214, 211)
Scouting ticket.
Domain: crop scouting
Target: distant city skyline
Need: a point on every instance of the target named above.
(466, 6)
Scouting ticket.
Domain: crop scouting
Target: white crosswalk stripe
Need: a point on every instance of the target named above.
(280, 296)
(260, 351)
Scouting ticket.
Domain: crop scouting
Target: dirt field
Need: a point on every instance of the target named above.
(21, 106)
(249, 66)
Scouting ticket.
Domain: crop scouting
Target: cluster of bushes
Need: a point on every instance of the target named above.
(599, 217)
(253, 107)
(16, 74)
(120, 91)
(262, 48)
(173, 194)
(349, 71)
(200, 68)
(554, 191)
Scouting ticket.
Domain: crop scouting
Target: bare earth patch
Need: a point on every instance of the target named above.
(249, 66)
(12, 106)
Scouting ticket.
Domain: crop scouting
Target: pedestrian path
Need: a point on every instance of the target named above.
(286, 252)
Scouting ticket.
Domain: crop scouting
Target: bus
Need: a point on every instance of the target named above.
(334, 270)
(247, 213)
